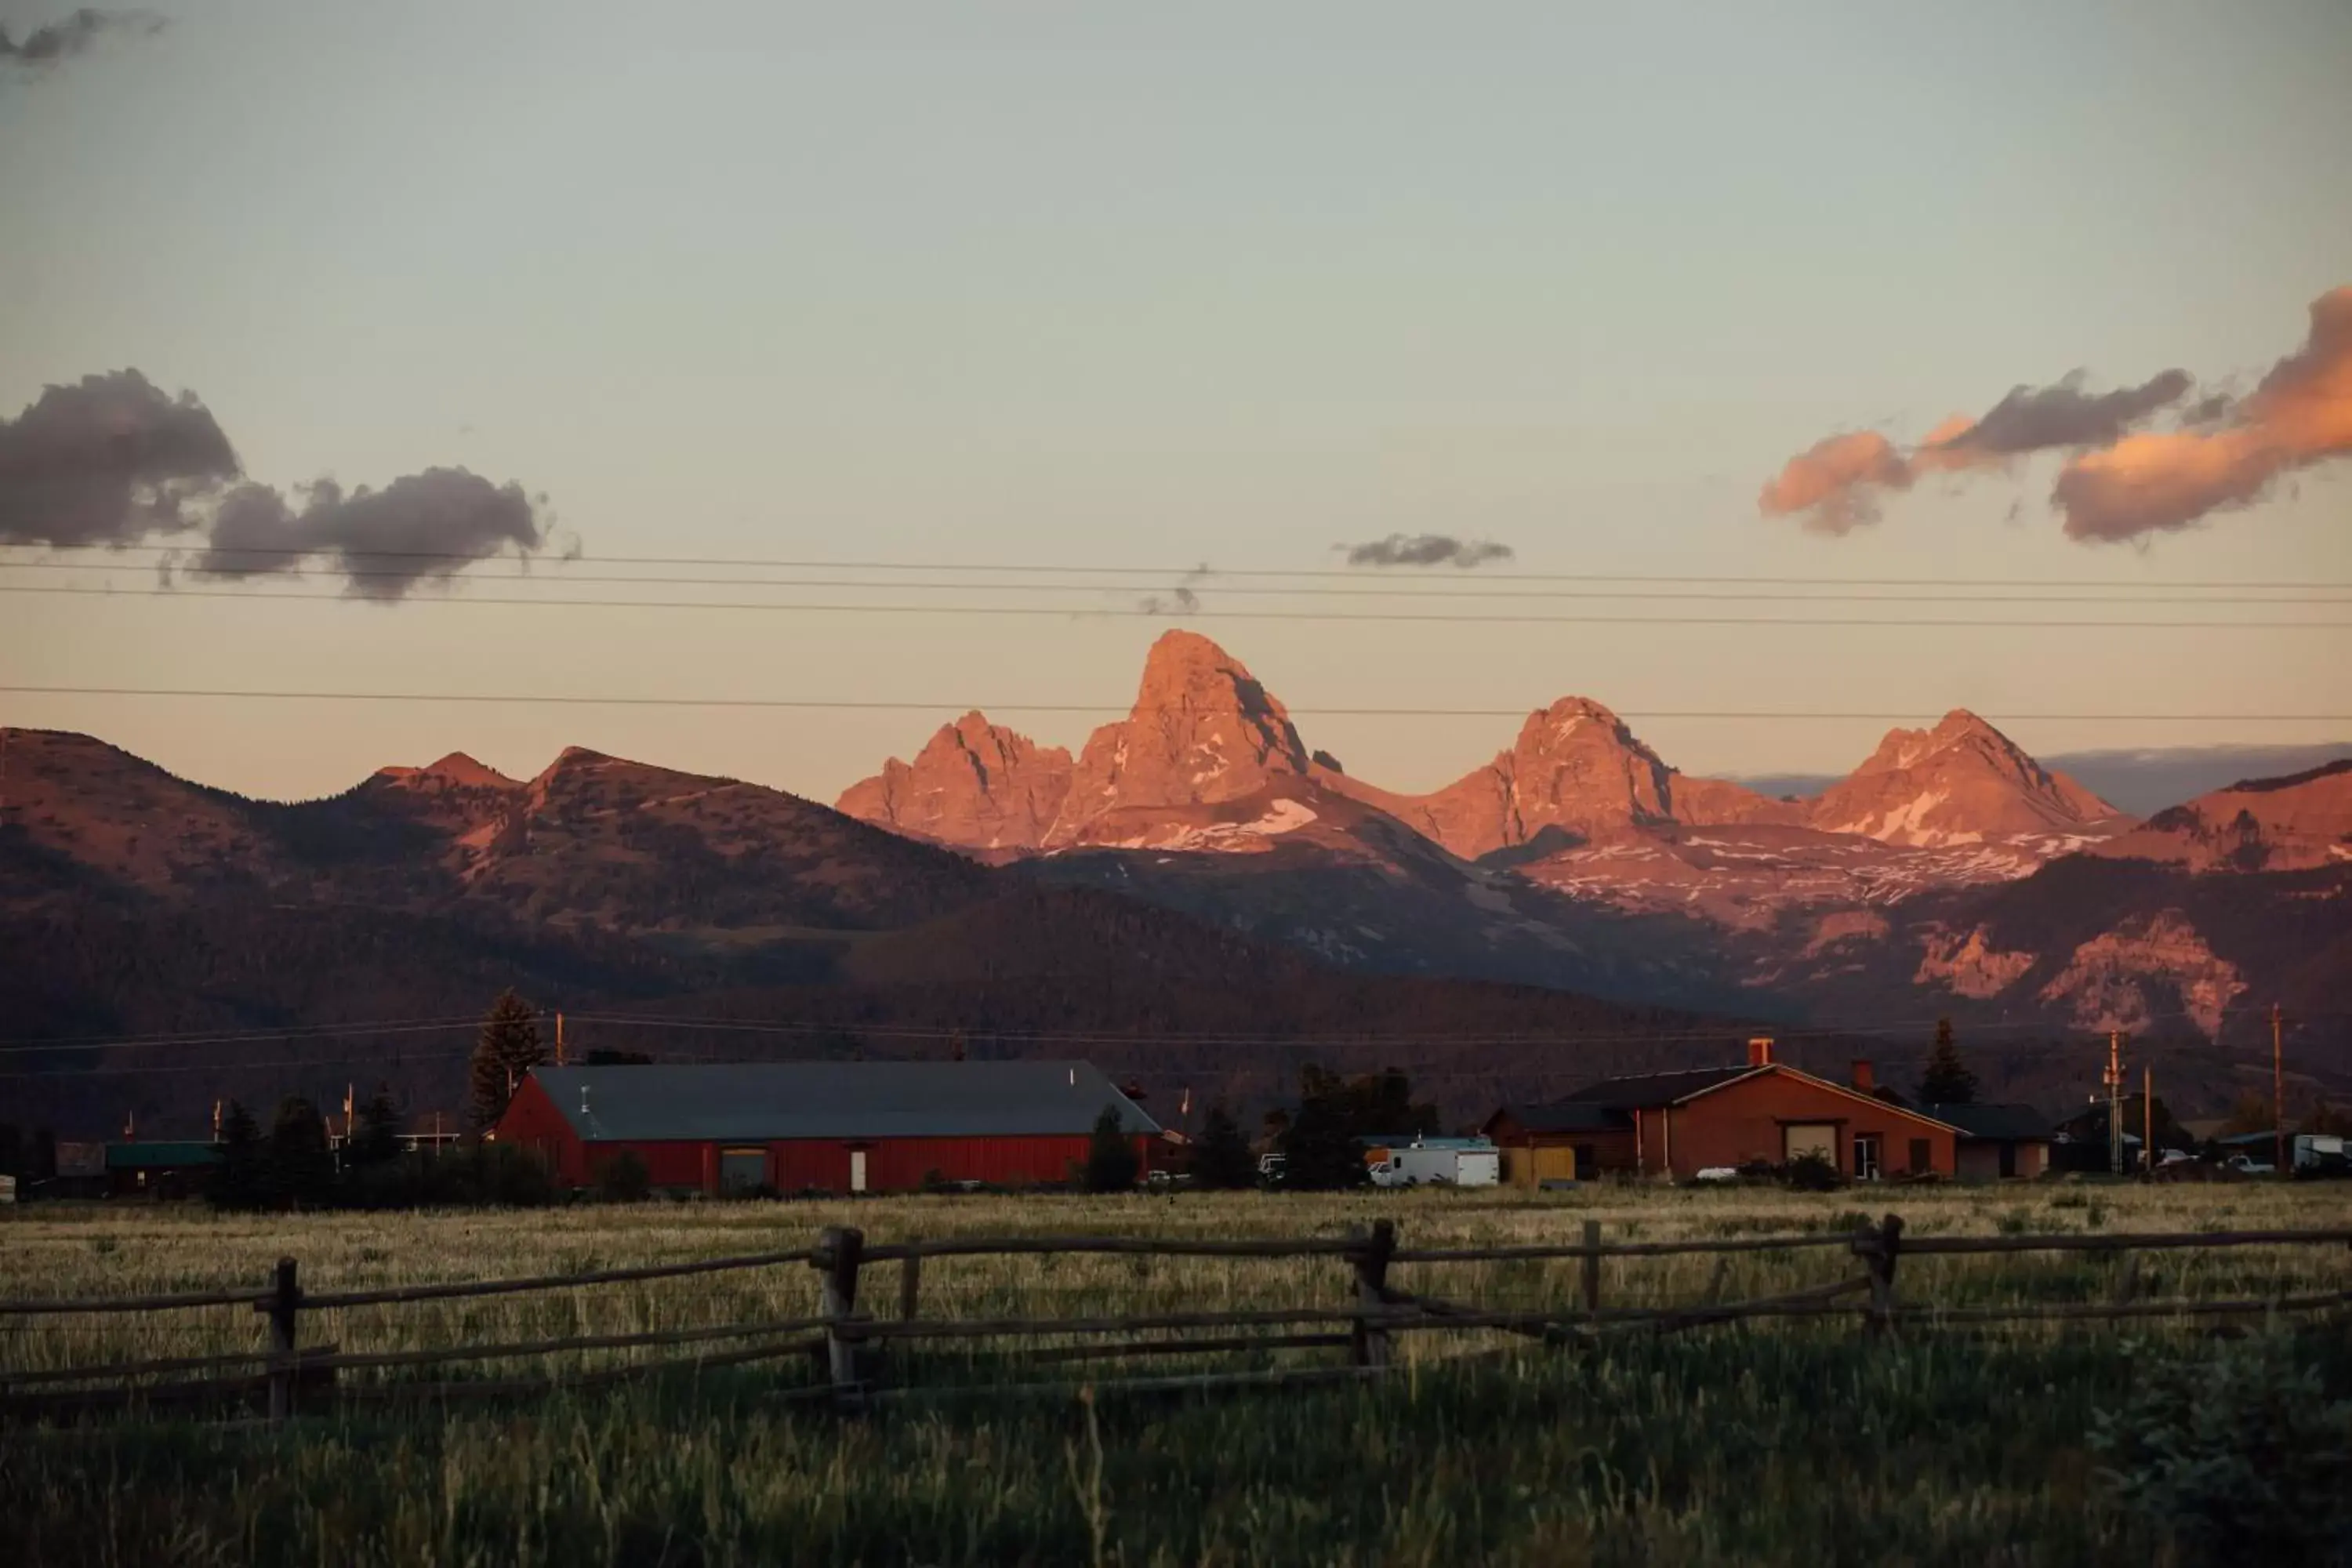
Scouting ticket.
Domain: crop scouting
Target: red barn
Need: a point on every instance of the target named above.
(845, 1127)
(1680, 1123)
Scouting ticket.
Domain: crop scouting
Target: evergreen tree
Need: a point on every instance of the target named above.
(509, 1049)
(1946, 1081)
(241, 1179)
(377, 1137)
(1111, 1164)
(301, 1166)
(1222, 1158)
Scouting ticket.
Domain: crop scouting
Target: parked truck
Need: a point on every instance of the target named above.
(1437, 1162)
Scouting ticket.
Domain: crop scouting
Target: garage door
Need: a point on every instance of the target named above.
(1815, 1138)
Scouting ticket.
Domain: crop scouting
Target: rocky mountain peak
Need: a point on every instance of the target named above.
(973, 784)
(1202, 731)
(456, 771)
(1961, 782)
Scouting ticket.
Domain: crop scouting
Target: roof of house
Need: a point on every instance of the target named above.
(1564, 1116)
(1644, 1090)
(1597, 1106)
(1999, 1122)
(2260, 1139)
(159, 1155)
(763, 1101)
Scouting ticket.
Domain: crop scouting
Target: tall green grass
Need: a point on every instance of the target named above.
(1742, 1447)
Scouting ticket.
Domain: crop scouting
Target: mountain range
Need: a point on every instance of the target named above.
(1196, 871)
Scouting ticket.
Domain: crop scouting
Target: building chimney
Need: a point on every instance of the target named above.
(1866, 1081)
(1760, 1051)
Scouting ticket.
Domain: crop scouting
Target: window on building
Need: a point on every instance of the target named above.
(1923, 1157)
(1867, 1146)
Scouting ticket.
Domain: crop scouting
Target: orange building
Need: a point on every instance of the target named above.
(1680, 1123)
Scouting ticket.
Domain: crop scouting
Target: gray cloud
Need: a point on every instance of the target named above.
(1426, 550)
(1179, 600)
(110, 460)
(113, 460)
(2036, 419)
(420, 528)
(49, 45)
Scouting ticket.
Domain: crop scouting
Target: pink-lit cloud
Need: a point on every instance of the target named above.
(2121, 480)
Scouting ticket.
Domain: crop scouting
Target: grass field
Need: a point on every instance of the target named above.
(1794, 1442)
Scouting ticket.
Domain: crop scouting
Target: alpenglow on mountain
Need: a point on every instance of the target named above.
(1577, 801)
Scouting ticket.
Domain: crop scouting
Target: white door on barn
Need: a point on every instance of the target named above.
(857, 1170)
(1819, 1139)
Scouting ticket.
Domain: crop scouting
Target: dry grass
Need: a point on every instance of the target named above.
(1770, 1443)
(103, 1250)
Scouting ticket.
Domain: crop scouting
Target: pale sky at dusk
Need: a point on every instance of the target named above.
(1150, 286)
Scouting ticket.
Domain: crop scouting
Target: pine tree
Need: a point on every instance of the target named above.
(301, 1166)
(241, 1179)
(1111, 1165)
(509, 1047)
(377, 1137)
(1222, 1158)
(1946, 1081)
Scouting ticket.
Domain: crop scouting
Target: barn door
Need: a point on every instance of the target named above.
(857, 1170)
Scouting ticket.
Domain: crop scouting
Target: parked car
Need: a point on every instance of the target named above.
(2247, 1165)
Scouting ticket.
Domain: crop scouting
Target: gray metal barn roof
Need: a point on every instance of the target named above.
(763, 1101)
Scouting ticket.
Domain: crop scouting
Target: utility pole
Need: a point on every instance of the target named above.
(2148, 1123)
(559, 1039)
(2115, 1082)
(2278, 1092)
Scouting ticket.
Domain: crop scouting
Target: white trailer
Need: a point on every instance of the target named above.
(2315, 1153)
(1440, 1165)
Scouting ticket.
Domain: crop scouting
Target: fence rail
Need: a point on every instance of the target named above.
(847, 1343)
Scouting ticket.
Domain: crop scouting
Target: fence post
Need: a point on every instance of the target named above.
(838, 1249)
(911, 1284)
(283, 1307)
(1593, 1269)
(1370, 1256)
(1880, 1248)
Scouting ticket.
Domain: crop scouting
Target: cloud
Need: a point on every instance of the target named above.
(113, 460)
(2299, 416)
(1178, 601)
(1836, 480)
(48, 46)
(2121, 480)
(110, 460)
(1426, 550)
(419, 528)
(2036, 419)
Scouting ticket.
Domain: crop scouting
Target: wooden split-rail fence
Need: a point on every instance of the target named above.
(844, 1339)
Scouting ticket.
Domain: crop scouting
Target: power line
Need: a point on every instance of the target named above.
(1565, 1036)
(1448, 616)
(567, 699)
(28, 1046)
(1495, 591)
(1196, 570)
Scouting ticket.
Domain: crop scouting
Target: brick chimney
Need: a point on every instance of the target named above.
(1865, 1080)
(1760, 1051)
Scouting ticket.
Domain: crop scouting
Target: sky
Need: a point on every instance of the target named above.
(1151, 288)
